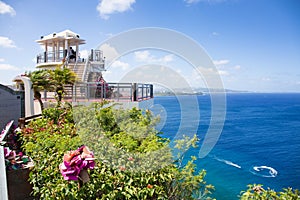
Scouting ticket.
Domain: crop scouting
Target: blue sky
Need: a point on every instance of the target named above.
(255, 44)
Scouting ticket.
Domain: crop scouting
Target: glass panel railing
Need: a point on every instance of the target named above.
(50, 57)
(93, 91)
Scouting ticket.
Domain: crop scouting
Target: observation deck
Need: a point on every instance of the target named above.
(62, 50)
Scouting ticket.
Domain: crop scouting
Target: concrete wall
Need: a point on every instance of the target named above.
(11, 105)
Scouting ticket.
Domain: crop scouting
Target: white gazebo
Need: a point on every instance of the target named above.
(56, 47)
(57, 51)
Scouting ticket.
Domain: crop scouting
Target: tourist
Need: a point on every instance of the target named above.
(72, 54)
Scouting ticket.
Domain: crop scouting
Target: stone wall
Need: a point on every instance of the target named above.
(12, 105)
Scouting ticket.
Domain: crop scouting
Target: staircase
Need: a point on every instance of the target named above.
(86, 72)
(78, 69)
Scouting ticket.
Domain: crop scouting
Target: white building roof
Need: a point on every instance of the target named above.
(61, 36)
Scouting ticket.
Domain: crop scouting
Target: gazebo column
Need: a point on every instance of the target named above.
(76, 51)
(66, 46)
(64, 49)
(53, 52)
(46, 53)
(57, 51)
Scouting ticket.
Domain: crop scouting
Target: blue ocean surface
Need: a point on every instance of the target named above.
(259, 143)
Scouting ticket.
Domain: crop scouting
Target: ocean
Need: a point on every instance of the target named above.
(259, 143)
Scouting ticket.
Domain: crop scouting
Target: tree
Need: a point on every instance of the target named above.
(41, 80)
(52, 81)
(60, 78)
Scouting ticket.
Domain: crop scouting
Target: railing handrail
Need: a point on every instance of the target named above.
(109, 90)
(85, 70)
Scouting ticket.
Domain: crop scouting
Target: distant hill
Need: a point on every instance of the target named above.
(191, 91)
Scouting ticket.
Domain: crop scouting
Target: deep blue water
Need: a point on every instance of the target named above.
(259, 130)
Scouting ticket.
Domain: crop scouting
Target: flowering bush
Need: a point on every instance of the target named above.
(132, 160)
(257, 192)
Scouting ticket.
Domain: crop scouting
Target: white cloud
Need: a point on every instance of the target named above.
(191, 1)
(6, 9)
(119, 64)
(206, 72)
(167, 58)
(109, 35)
(107, 72)
(142, 56)
(109, 52)
(237, 67)
(220, 62)
(107, 7)
(223, 73)
(6, 42)
(215, 34)
(2, 60)
(8, 67)
(266, 79)
(84, 53)
(145, 56)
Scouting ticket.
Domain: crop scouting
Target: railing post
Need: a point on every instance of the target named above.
(65, 52)
(102, 91)
(142, 91)
(45, 57)
(151, 91)
(92, 55)
(88, 91)
(45, 95)
(134, 91)
(118, 91)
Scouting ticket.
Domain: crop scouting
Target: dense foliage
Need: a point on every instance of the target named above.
(257, 192)
(133, 161)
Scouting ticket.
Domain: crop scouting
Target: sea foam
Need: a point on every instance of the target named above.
(227, 162)
(264, 171)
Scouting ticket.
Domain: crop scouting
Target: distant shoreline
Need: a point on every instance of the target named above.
(228, 92)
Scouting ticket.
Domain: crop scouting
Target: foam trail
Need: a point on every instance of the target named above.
(232, 164)
(261, 171)
(227, 162)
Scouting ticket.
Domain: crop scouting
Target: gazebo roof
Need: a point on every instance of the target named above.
(61, 36)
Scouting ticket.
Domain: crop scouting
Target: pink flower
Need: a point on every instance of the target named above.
(130, 158)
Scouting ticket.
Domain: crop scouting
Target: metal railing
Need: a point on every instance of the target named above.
(96, 56)
(93, 91)
(51, 56)
(58, 56)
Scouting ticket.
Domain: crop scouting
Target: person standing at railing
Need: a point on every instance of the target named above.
(102, 87)
(72, 54)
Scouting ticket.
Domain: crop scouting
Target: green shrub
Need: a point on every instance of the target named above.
(257, 192)
(133, 161)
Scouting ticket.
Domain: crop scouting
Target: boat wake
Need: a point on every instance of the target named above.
(264, 171)
(227, 162)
